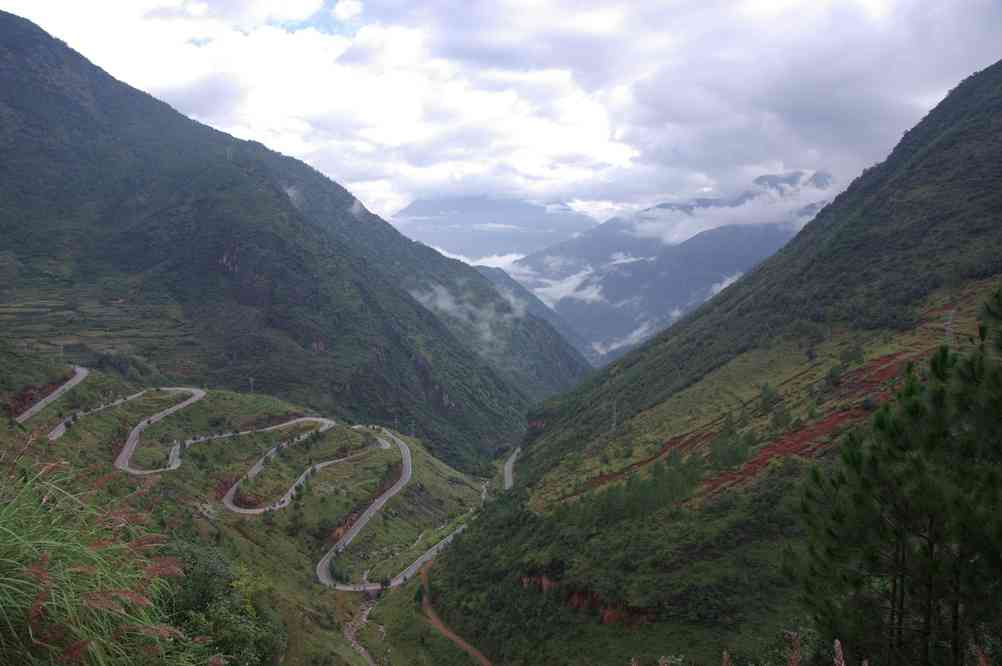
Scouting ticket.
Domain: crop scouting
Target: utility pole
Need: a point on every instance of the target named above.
(251, 383)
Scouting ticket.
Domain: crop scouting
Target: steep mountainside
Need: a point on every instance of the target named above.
(521, 297)
(661, 494)
(625, 280)
(135, 236)
(522, 347)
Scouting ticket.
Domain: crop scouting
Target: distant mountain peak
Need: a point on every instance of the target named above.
(478, 226)
(794, 180)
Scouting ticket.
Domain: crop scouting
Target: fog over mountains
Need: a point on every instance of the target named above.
(615, 284)
(481, 226)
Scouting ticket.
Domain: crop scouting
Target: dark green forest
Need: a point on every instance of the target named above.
(149, 236)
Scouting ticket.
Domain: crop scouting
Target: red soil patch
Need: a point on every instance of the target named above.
(345, 525)
(29, 395)
(869, 380)
(544, 583)
(586, 600)
(359, 508)
(223, 486)
(436, 622)
(803, 442)
(875, 374)
(682, 443)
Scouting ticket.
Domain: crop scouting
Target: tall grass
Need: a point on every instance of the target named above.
(79, 584)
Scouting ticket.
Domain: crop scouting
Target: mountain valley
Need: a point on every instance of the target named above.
(249, 422)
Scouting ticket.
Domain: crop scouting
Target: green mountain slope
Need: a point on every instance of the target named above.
(135, 235)
(265, 563)
(658, 496)
(513, 290)
(927, 217)
(522, 346)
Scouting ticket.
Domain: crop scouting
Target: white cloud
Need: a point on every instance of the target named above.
(675, 226)
(346, 10)
(635, 337)
(619, 258)
(488, 323)
(609, 106)
(505, 262)
(496, 226)
(718, 287)
(573, 287)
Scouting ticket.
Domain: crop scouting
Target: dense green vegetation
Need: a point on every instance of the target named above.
(246, 588)
(926, 217)
(137, 239)
(766, 374)
(670, 572)
(905, 541)
(514, 290)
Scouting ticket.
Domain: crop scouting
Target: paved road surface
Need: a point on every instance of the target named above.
(60, 429)
(124, 459)
(323, 566)
(79, 374)
(123, 462)
(509, 469)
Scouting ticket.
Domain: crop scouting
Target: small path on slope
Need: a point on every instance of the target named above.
(79, 374)
(509, 469)
(352, 628)
(436, 622)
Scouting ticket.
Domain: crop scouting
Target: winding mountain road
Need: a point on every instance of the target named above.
(123, 462)
(79, 374)
(60, 429)
(282, 502)
(323, 566)
(124, 459)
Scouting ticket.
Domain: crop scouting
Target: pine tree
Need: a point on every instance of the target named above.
(905, 538)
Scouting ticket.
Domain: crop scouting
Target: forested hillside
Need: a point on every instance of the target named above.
(523, 298)
(661, 498)
(926, 218)
(136, 237)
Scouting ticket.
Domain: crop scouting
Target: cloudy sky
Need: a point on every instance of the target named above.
(601, 104)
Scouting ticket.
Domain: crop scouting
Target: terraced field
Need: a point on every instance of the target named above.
(206, 441)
